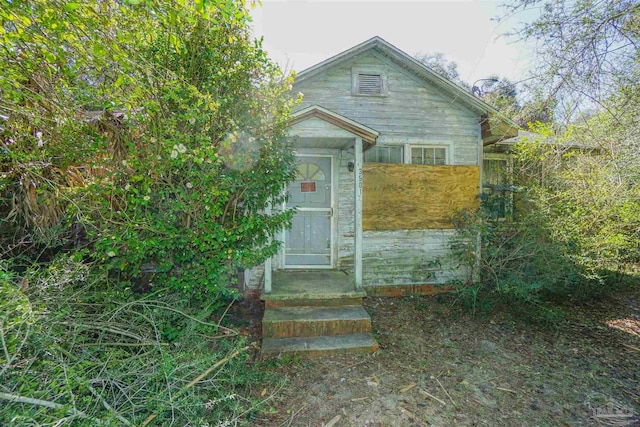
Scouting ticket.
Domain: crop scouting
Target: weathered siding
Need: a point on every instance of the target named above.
(412, 112)
(346, 211)
(315, 127)
(254, 277)
(404, 257)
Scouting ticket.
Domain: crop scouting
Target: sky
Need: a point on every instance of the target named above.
(298, 33)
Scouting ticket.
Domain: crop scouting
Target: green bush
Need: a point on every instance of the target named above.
(153, 143)
(140, 143)
(571, 234)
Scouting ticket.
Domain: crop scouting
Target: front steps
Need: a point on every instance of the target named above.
(322, 345)
(317, 326)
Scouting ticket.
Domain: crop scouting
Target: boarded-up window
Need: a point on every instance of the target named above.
(414, 197)
(384, 154)
(370, 84)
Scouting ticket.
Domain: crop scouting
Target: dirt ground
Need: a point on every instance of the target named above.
(440, 366)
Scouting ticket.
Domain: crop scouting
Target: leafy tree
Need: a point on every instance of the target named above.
(147, 135)
(519, 102)
(586, 51)
(522, 106)
(573, 228)
(439, 63)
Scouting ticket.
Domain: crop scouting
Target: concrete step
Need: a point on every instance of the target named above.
(318, 302)
(314, 346)
(295, 322)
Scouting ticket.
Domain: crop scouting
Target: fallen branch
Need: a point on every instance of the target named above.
(424, 393)
(407, 388)
(44, 403)
(104, 329)
(293, 415)
(108, 407)
(121, 344)
(507, 390)
(333, 421)
(446, 392)
(630, 347)
(198, 379)
(175, 310)
(411, 416)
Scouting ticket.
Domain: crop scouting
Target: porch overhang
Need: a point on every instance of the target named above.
(350, 128)
(496, 129)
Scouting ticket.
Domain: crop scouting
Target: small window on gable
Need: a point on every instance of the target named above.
(384, 154)
(366, 82)
(429, 155)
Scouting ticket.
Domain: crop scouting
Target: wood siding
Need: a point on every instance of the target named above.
(412, 111)
(414, 197)
(405, 257)
(345, 211)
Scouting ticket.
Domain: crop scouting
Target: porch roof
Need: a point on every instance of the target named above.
(367, 134)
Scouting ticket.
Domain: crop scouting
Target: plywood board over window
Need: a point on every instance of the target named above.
(414, 197)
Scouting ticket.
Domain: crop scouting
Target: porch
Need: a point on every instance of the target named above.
(291, 285)
(313, 286)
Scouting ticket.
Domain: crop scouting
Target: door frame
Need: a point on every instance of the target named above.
(333, 222)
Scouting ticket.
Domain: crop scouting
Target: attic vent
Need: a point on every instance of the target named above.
(370, 84)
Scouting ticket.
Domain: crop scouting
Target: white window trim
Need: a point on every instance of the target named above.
(401, 146)
(356, 71)
(447, 146)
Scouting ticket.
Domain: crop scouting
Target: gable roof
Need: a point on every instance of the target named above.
(367, 134)
(505, 128)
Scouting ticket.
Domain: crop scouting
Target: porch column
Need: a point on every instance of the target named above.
(357, 261)
(267, 262)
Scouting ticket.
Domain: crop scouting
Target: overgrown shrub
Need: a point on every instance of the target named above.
(571, 233)
(140, 143)
(146, 136)
(74, 352)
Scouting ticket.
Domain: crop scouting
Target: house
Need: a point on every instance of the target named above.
(387, 151)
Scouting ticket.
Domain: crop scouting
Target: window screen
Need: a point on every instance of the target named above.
(494, 172)
(429, 155)
(382, 154)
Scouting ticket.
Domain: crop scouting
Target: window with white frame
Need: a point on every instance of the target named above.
(429, 155)
(385, 154)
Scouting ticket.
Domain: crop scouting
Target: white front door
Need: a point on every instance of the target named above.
(308, 242)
